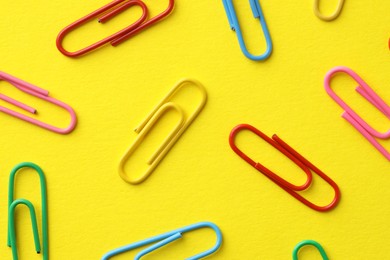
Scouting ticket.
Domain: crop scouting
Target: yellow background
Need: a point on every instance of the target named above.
(92, 210)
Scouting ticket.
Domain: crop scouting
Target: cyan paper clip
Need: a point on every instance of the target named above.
(166, 238)
(235, 26)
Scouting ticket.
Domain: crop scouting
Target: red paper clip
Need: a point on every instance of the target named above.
(294, 156)
(109, 11)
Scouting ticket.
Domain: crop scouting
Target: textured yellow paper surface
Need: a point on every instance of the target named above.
(91, 210)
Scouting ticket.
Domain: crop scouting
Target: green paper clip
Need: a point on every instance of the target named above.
(12, 204)
(309, 243)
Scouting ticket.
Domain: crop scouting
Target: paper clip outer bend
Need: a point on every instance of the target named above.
(143, 129)
(293, 155)
(107, 12)
(39, 93)
(166, 238)
(331, 17)
(235, 26)
(12, 204)
(309, 243)
(351, 116)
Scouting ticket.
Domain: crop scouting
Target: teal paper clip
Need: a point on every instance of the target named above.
(309, 243)
(166, 238)
(12, 204)
(235, 26)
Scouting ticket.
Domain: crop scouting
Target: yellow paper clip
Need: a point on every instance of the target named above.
(331, 17)
(144, 128)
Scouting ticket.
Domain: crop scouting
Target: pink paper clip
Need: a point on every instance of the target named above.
(39, 93)
(363, 89)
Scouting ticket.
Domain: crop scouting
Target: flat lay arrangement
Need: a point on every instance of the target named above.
(196, 99)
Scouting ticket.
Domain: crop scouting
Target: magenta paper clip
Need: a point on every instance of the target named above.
(363, 89)
(39, 93)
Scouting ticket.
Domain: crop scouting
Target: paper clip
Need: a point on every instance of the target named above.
(294, 156)
(309, 243)
(144, 128)
(166, 238)
(39, 93)
(352, 117)
(331, 17)
(108, 12)
(12, 204)
(235, 26)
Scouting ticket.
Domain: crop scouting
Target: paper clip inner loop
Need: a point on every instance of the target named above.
(351, 116)
(331, 17)
(39, 93)
(109, 11)
(298, 159)
(309, 243)
(235, 26)
(166, 238)
(12, 204)
(144, 128)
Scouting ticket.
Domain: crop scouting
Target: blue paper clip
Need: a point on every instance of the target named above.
(235, 26)
(166, 238)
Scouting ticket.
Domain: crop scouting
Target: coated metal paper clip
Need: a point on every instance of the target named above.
(108, 12)
(39, 93)
(352, 117)
(166, 238)
(144, 128)
(235, 26)
(309, 243)
(294, 156)
(12, 204)
(331, 17)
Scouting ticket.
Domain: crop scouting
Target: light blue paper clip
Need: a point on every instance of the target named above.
(235, 26)
(166, 238)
